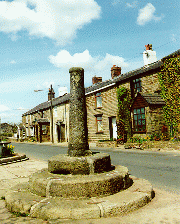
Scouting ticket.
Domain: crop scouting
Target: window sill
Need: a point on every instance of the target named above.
(97, 108)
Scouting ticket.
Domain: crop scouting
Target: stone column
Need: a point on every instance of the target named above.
(78, 134)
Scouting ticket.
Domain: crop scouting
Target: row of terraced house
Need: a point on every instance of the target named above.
(102, 106)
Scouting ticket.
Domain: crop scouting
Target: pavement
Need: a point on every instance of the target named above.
(164, 208)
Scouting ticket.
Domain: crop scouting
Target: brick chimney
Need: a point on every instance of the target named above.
(51, 94)
(115, 71)
(96, 80)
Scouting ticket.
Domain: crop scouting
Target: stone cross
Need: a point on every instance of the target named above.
(78, 133)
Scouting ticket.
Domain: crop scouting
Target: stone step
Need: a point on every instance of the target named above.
(46, 184)
(21, 200)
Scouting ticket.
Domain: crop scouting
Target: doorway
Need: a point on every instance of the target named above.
(112, 128)
(61, 132)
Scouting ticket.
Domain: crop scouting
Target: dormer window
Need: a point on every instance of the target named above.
(137, 85)
(98, 100)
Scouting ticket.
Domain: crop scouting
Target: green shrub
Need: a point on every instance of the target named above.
(7, 151)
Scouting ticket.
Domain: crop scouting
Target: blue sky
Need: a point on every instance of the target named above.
(42, 39)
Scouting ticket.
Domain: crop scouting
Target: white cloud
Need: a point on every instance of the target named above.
(58, 20)
(146, 14)
(111, 60)
(4, 108)
(65, 60)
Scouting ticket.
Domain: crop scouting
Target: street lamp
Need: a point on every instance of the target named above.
(51, 115)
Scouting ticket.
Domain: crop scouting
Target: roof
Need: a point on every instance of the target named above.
(153, 99)
(105, 84)
(128, 75)
(43, 120)
(47, 104)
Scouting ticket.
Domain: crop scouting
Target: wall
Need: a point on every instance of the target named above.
(155, 120)
(109, 109)
(62, 115)
(150, 83)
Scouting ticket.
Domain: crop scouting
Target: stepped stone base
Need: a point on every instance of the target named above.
(47, 184)
(19, 199)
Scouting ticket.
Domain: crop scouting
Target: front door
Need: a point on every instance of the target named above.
(59, 132)
(112, 128)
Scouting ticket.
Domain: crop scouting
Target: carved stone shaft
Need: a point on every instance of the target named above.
(78, 134)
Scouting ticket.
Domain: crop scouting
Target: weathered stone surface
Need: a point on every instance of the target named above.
(15, 158)
(19, 199)
(64, 164)
(79, 186)
(78, 134)
(56, 208)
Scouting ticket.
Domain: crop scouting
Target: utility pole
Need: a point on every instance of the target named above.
(51, 115)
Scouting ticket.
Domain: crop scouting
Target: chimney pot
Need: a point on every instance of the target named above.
(96, 79)
(115, 71)
(148, 47)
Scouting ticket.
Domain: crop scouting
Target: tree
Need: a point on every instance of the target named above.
(169, 78)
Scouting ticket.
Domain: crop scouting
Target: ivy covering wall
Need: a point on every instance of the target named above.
(169, 79)
(124, 104)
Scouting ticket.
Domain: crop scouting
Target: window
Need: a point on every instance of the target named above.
(98, 100)
(139, 121)
(32, 131)
(99, 123)
(137, 85)
(44, 129)
(27, 131)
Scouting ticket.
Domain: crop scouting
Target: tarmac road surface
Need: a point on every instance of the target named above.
(160, 168)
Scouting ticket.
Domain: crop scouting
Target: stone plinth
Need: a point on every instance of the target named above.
(64, 164)
(79, 186)
(78, 134)
(20, 200)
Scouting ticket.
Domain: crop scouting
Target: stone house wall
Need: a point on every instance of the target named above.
(150, 83)
(125, 85)
(154, 120)
(61, 118)
(108, 109)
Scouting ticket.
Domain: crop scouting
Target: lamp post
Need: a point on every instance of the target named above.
(51, 115)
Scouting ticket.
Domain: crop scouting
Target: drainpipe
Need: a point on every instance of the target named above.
(51, 115)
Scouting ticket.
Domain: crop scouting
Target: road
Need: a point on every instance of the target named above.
(160, 168)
